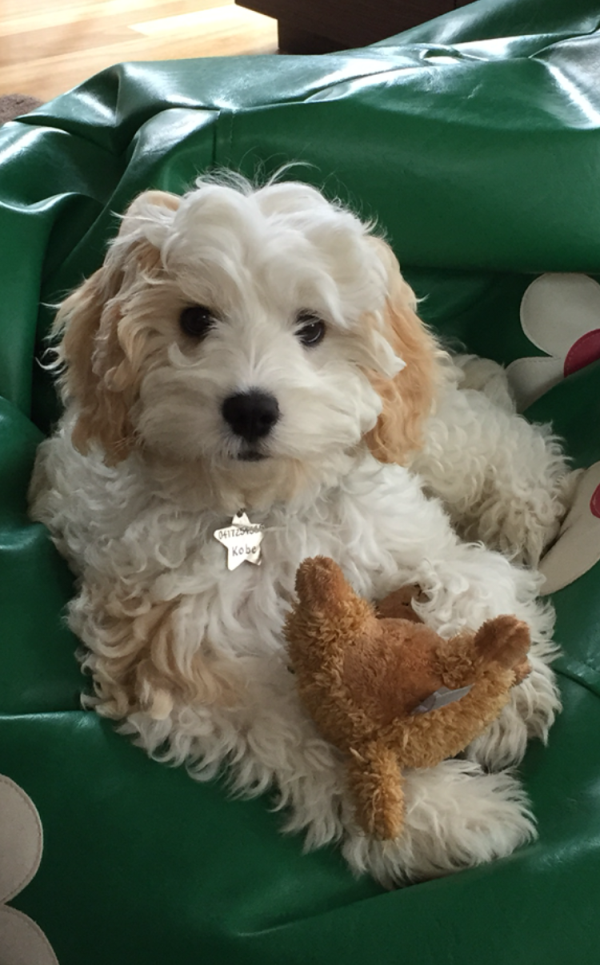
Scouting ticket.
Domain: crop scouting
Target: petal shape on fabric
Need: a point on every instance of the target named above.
(577, 548)
(530, 378)
(21, 839)
(584, 351)
(558, 309)
(22, 942)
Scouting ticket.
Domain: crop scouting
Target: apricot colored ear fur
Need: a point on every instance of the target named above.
(408, 397)
(97, 374)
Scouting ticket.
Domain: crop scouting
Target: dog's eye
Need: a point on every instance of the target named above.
(311, 329)
(196, 321)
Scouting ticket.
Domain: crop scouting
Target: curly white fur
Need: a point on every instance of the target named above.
(189, 655)
(503, 480)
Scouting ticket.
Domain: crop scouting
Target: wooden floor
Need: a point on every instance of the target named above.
(49, 46)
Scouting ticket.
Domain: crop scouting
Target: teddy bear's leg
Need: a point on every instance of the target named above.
(529, 713)
(467, 584)
(375, 783)
(504, 640)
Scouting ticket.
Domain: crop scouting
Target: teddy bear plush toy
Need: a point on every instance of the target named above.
(387, 690)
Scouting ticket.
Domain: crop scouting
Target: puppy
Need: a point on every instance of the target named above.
(257, 351)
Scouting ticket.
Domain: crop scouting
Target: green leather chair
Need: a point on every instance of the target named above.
(475, 141)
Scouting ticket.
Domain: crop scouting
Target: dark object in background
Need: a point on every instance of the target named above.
(315, 27)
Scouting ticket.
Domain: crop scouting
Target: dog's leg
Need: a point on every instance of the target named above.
(502, 480)
(247, 716)
(487, 376)
(456, 817)
(507, 483)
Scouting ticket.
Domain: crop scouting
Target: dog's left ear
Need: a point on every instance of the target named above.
(408, 398)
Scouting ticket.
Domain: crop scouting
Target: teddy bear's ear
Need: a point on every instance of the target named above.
(408, 397)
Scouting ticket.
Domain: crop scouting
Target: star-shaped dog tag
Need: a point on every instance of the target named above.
(242, 539)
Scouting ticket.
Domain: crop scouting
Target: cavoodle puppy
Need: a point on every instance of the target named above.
(246, 384)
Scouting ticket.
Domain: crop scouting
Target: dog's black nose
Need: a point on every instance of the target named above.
(251, 414)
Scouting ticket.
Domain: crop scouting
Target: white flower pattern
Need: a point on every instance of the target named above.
(22, 942)
(560, 314)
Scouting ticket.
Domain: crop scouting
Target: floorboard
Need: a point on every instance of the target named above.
(47, 48)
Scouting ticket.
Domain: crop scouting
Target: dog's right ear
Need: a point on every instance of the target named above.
(99, 375)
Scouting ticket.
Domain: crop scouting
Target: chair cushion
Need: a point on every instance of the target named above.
(474, 140)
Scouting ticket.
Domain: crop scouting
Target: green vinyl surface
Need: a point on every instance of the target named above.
(474, 140)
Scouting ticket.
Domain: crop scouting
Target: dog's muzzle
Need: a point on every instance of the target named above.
(251, 416)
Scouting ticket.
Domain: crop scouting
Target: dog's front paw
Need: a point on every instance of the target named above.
(530, 713)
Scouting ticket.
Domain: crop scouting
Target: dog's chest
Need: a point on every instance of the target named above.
(370, 527)
(251, 601)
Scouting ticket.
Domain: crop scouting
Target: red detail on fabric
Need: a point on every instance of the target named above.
(595, 502)
(583, 352)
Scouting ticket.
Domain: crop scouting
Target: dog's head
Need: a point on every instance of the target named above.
(258, 334)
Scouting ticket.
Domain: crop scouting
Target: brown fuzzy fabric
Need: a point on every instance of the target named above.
(13, 105)
(361, 677)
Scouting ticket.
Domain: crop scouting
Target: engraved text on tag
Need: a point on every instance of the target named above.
(243, 541)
